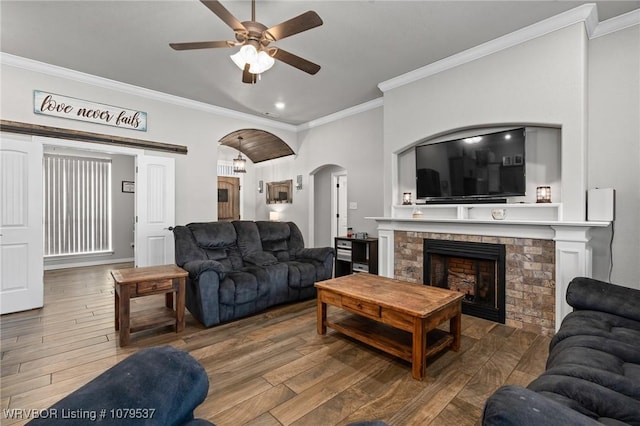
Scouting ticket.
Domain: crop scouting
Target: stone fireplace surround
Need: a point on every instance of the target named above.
(544, 252)
(529, 275)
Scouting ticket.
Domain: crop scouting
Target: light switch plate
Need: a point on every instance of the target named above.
(353, 205)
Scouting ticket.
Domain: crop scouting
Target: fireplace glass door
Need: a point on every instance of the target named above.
(475, 269)
(476, 278)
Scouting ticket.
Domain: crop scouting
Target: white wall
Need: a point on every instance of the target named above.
(542, 81)
(355, 144)
(614, 148)
(168, 122)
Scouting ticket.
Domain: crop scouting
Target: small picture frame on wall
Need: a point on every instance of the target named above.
(518, 160)
(507, 160)
(128, 186)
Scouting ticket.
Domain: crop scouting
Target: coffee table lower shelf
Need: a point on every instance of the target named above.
(387, 338)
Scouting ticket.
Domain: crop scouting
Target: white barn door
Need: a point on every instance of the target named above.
(155, 210)
(21, 261)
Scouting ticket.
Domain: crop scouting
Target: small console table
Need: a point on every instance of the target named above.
(356, 255)
(145, 281)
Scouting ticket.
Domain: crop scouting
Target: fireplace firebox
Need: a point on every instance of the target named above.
(475, 269)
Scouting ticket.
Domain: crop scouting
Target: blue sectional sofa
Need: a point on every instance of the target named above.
(240, 268)
(156, 386)
(592, 375)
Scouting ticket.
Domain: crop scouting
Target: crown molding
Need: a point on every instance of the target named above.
(617, 23)
(105, 83)
(586, 13)
(366, 106)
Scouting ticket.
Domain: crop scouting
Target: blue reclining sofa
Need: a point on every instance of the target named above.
(240, 268)
(592, 375)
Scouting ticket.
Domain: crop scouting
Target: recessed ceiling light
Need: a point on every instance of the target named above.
(279, 105)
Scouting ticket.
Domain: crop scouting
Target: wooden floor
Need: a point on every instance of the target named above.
(269, 369)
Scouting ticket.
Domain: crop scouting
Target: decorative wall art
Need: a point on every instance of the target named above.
(77, 109)
(279, 192)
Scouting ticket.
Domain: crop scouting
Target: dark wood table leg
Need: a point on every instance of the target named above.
(455, 327)
(168, 297)
(124, 313)
(418, 349)
(322, 316)
(116, 292)
(180, 300)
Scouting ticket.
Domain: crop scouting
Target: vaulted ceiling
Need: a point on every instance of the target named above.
(256, 144)
(360, 44)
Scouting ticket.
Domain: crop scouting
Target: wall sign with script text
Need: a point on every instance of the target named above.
(78, 109)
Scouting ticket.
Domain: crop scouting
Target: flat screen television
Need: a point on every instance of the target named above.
(483, 167)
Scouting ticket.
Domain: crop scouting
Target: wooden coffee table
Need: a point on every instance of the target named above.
(397, 317)
(145, 281)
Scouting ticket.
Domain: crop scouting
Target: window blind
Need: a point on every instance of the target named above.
(77, 205)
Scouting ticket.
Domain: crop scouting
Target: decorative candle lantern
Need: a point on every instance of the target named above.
(406, 198)
(543, 194)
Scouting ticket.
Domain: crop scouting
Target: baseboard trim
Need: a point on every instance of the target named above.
(87, 263)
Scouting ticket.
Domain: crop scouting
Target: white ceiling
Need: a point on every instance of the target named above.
(361, 44)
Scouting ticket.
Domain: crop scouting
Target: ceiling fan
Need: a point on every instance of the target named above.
(255, 55)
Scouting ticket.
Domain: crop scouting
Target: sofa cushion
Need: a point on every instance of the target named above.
(301, 274)
(274, 237)
(588, 397)
(261, 258)
(240, 287)
(602, 324)
(213, 235)
(594, 295)
(273, 231)
(186, 247)
(280, 245)
(296, 241)
(248, 237)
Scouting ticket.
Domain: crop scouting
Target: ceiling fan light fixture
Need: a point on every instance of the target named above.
(246, 55)
(262, 63)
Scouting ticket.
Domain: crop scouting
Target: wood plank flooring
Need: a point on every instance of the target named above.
(269, 369)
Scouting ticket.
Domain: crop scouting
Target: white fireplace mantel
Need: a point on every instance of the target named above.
(573, 250)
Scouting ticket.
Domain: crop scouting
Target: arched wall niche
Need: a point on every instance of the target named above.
(542, 153)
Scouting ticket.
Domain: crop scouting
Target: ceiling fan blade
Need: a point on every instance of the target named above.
(296, 25)
(247, 77)
(201, 45)
(222, 13)
(296, 61)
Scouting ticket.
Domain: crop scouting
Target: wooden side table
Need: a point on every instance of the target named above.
(146, 281)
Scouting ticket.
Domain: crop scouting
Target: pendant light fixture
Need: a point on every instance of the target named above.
(239, 164)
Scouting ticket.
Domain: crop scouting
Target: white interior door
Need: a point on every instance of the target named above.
(342, 205)
(21, 261)
(155, 210)
(339, 211)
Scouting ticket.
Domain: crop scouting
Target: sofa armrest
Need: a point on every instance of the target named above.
(517, 406)
(197, 267)
(160, 385)
(317, 253)
(595, 295)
